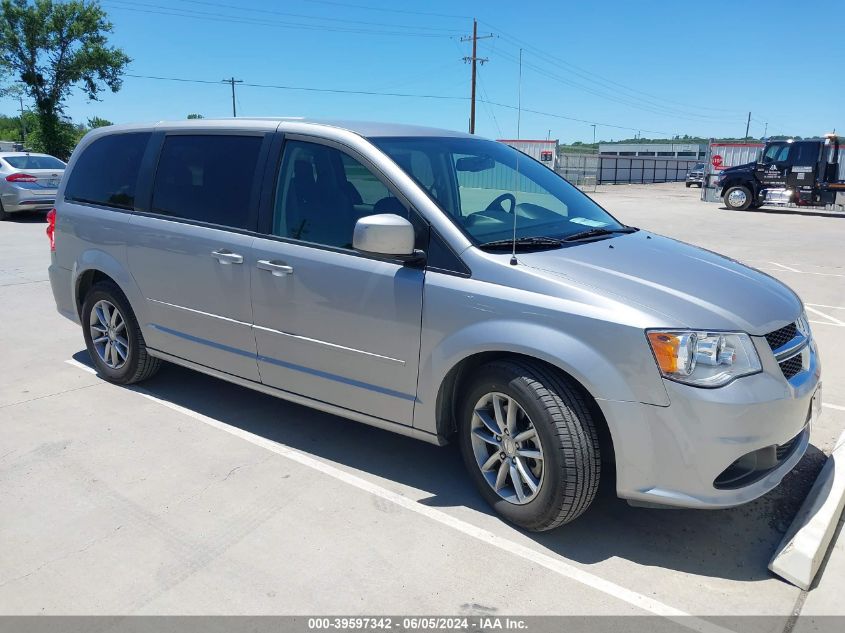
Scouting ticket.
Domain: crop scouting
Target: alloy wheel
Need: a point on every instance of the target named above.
(507, 448)
(108, 334)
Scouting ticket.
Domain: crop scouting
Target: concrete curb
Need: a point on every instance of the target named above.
(800, 553)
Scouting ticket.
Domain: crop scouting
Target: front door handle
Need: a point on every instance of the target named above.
(225, 256)
(276, 267)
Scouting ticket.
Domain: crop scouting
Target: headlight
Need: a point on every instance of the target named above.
(701, 358)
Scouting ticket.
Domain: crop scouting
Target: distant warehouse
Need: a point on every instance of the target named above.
(688, 151)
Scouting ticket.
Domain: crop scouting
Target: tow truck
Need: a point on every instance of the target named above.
(789, 172)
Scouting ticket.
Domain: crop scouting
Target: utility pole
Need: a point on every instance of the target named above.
(766, 129)
(594, 133)
(233, 81)
(474, 38)
(747, 126)
(23, 122)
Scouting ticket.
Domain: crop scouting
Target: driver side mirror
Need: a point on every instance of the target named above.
(385, 234)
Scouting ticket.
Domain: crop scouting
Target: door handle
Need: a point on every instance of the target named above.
(274, 266)
(225, 256)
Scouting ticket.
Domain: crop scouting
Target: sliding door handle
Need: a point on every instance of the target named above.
(225, 256)
(276, 267)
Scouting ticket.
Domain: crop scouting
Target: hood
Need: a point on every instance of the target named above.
(743, 167)
(695, 288)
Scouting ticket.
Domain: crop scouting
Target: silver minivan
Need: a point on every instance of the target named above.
(445, 287)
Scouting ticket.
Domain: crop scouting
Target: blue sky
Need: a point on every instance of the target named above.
(657, 67)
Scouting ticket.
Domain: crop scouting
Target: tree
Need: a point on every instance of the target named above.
(96, 121)
(195, 116)
(53, 47)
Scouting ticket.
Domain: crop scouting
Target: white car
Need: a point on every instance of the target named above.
(28, 182)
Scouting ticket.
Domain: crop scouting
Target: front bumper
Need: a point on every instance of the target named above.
(674, 455)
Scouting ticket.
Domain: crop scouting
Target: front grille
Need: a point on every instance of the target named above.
(792, 366)
(782, 336)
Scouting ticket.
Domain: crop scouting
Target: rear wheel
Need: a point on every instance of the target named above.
(689, 184)
(4, 215)
(113, 338)
(530, 444)
(738, 198)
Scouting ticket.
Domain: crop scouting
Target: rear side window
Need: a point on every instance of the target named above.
(208, 178)
(34, 162)
(107, 171)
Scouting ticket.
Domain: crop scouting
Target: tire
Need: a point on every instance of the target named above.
(689, 184)
(4, 215)
(559, 414)
(128, 359)
(741, 199)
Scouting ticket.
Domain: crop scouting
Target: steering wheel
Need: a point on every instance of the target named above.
(498, 203)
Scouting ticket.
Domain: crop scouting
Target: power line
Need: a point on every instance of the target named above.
(217, 17)
(306, 88)
(313, 17)
(399, 94)
(655, 109)
(389, 10)
(593, 77)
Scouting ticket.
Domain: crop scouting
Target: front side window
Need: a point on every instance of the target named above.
(484, 186)
(776, 154)
(31, 161)
(322, 192)
(208, 178)
(107, 171)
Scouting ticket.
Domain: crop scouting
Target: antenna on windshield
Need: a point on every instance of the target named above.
(516, 184)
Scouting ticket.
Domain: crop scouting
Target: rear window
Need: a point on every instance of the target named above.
(34, 162)
(107, 171)
(208, 178)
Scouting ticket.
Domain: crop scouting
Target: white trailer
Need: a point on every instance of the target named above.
(544, 151)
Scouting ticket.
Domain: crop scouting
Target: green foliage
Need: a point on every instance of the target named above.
(195, 116)
(95, 122)
(52, 47)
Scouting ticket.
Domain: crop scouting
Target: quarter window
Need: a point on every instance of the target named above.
(322, 192)
(208, 178)
(107, 171)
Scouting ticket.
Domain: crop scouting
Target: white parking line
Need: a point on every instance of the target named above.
(804, 272)
(785, 267)
(833, 320)
(551, 563)
(833, 406)
(821, 305)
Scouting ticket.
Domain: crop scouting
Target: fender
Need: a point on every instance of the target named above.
(594, 371)
(98, 260)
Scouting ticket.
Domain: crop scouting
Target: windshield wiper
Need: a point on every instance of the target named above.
(598, 232)
(522, 243)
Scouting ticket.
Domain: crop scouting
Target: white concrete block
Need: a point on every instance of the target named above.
(800, 553)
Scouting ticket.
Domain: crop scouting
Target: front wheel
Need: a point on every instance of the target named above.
(529, 442)
(738, 198)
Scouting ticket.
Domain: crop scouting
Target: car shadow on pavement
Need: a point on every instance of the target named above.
(732, 544)
(28, 217)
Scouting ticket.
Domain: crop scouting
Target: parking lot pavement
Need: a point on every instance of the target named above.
(190, 495)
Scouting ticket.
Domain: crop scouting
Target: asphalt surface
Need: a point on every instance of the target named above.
(188, 495)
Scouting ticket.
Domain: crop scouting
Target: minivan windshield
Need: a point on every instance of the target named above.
(482, 185)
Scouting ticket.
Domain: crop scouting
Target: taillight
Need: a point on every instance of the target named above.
(21, 177)
(51, 228)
